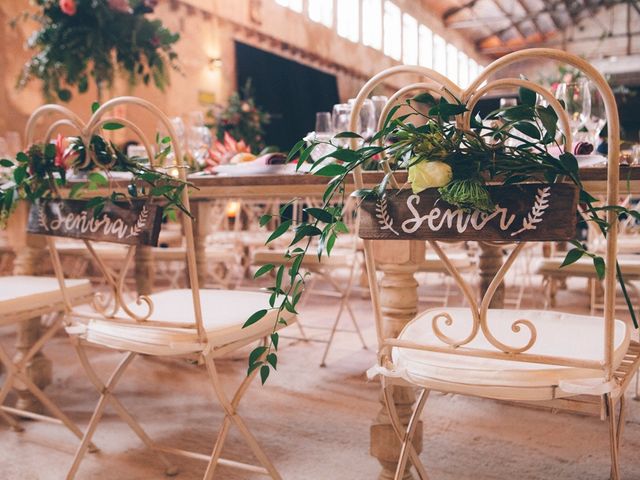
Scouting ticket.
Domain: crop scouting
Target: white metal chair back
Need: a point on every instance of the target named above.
(440, 85)
(116, 307)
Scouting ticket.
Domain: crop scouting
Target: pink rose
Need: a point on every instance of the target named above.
(68, 7)
(120, 6)
(65, 153)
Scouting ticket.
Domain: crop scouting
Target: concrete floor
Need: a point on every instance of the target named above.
(313, 422)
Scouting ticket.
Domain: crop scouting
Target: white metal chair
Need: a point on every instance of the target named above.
(521, 355)
(24, 297)
(190, 322)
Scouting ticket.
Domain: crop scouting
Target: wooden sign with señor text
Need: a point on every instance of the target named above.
(524, 212)
(135, 223)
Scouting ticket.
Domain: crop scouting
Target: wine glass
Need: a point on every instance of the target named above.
(577, 103)
(323, 123)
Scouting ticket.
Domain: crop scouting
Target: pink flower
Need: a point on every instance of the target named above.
(68, 7)
(65, 153)
(120, 6)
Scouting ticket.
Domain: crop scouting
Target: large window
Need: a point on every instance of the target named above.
(409, 40)
(295, 5)
(463, 70)
(371, 23)
(392, 30)
(425, 49)
(452, 63)
(473, 70)
(321, 11)
(349, 19)
(439, 54)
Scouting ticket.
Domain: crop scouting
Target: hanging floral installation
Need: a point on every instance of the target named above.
(242, 119)
(88, 41)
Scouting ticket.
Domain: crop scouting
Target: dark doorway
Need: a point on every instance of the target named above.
(290, 91)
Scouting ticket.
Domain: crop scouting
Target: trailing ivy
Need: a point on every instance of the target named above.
(509, 146)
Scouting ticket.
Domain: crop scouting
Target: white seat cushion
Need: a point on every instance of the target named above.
(336, 259)
(566, 335)
(630, 265)
(433, 264)
(22, 293)
(224, 313)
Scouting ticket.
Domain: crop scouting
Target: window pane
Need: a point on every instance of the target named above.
(295, 5)
(348, 19)
(452, 63)
(439, 54)
(409, 40)
(426, 47)
(371, 23)
(321, 11)
(463, 70)
(392, 30)
(473, 70)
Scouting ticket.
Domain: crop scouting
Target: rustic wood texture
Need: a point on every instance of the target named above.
(527, 212)
(137, 223)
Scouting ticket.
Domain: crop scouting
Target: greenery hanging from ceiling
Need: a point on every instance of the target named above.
(84, 41)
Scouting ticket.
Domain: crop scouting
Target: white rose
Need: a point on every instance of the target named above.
(425, 175)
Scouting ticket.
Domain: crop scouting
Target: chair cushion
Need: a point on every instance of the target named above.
(336, 259)
(566, 335)
(630, 265)
(224, 313)
(433, 264)
(20, 294)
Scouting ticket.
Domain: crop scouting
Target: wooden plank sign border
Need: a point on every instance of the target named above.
(524, 212)
(135, 223)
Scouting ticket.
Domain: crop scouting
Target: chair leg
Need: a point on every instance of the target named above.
(106, 396)
(613, 436)
(6, 388)
(408, 437)
(231, 415)
(399, 429)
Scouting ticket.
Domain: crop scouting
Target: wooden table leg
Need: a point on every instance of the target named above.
(490, 261)
(145, 270)
(201, 211)
(28, 259)
(398, 261)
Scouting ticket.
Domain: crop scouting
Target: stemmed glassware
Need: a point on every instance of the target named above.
(577, 103)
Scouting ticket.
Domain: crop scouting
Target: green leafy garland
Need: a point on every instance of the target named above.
(41, 170)
(511, 145)
(83, 40)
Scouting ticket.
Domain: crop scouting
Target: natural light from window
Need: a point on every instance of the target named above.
(321, 11)
(392, 30)
(409, 40)
(439, 54)
(452, 63)
(425, 43)
(348, 19)
(463, 70)
(295, 5)
(371, 23)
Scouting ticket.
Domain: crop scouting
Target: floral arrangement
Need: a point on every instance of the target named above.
(227, 151)
(42, 169)
(90, 40)
(509, 146)
(242, 119)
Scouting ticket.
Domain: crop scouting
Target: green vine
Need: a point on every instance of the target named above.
(509, 146)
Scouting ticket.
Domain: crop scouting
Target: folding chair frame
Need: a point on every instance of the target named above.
(16, 372)
(229, 405)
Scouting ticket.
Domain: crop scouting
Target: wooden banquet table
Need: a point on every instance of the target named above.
(398, 260)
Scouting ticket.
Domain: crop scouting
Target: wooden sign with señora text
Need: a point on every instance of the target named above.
(135, 223)
(524, 212)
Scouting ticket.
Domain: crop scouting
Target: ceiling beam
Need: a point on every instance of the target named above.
(534, 18)
(452, 11)
(515, 25)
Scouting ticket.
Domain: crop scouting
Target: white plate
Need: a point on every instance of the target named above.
(249, 169)
(591, 160)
